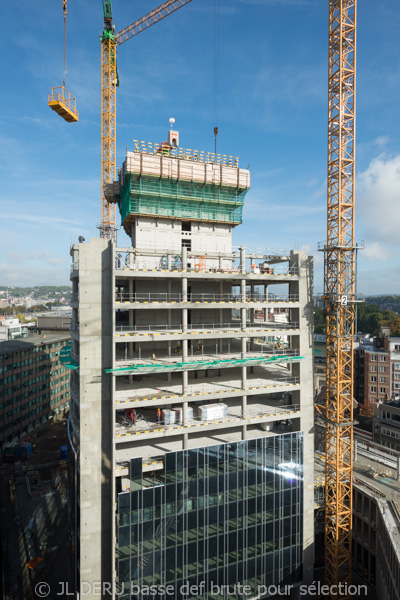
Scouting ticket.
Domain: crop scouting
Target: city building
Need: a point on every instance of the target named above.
(191, 422)
(376, 516)
(53, 323)
(386, 421)
(12, 329)
(376, 370)
(392, 345)
(34, 386)
(371, 374)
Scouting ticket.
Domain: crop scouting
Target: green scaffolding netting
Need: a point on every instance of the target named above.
(180, 199)
(199, 365)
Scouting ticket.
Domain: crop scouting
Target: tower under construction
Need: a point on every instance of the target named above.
(191, 420)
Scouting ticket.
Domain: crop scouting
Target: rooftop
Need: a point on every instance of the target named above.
(10, 346)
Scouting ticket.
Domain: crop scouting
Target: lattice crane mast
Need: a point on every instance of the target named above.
(339, 293)
(109, 83)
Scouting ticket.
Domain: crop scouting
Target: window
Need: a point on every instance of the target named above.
(383, 358)
(373, 356)
(187, 244)
(382, 369)
(397, 366)
(373, 389)
(383, 390)
(382, 380)
(373, 368)
(186, 226)
(373, 378)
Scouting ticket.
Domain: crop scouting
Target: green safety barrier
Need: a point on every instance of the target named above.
(201, 364)
(65, 357)
(180, 200)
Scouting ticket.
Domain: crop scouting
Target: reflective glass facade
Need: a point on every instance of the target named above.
(216, 516)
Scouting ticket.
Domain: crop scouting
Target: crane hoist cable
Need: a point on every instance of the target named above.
(61, 100)
(65, 39)
(216, 69)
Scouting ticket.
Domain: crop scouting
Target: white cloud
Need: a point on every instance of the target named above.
(378, 200)
(375, 250)
(43, 256)
(18, 274)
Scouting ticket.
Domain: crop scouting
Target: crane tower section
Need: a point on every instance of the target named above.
(108, 133)
(109, 82)
(339, 292)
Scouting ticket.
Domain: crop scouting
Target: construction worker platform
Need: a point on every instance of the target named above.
(64, 104)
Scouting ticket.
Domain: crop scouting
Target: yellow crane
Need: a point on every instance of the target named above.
(339, 294)
(61, 100)
(109, 82)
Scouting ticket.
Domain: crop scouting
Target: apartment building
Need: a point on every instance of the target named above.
(34, 386)
(191, 422)
(372, 374)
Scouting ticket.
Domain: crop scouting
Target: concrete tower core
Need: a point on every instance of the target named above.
(192, 411)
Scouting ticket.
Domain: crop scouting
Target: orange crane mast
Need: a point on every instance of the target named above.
(109, 83)
(339, 294)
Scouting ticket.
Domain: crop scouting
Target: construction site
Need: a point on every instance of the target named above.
(198, 464)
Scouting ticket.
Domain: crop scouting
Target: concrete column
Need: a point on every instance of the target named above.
(220, 263)
(96, 308)
(130, 312)
(184, 258)
(242, 266)
(244, 413)
(75, 256)
(243, 311)
(169, 286)
(169, 261)
(221, 317)
(185, 377)
(304, 369)
(244, 347)
(243, 290)
(184, 298)
(252, 310)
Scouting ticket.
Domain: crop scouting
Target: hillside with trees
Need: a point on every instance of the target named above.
(370, 318)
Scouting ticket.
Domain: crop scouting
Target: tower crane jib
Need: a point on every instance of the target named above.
(109, 82)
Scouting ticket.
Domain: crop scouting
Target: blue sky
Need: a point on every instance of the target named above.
(272, 113)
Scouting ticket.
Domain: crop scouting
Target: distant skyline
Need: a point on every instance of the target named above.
(272, 113)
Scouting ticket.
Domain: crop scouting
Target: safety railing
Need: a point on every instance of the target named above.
(176, 359)
(62, 96)
(224, 389)
(125, 261)
(164, 297)
(185, 153)
(205, 327)
(145, 425)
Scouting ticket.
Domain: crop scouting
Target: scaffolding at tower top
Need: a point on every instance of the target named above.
(159, 180)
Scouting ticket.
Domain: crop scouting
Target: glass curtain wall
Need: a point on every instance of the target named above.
(215, 517)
